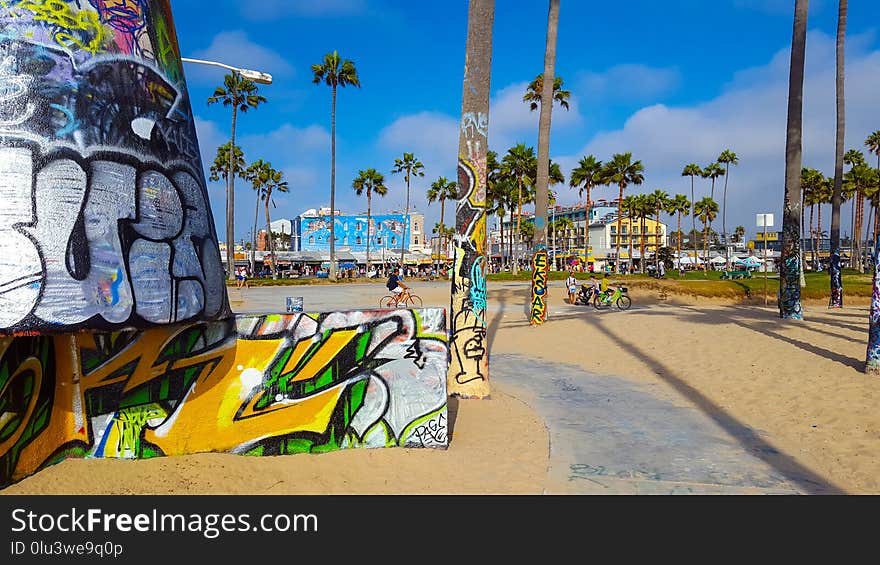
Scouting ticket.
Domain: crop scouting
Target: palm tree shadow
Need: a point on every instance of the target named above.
(789, 467)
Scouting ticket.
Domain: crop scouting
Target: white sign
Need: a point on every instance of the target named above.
(765, 220)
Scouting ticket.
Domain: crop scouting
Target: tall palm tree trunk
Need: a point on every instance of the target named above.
(587, 227)
(724, 218)
(405, 243)
(836, 299)
(812, 234)
(693, 223)
(861, 239)
(657, 242)
(642, 228)
(678, 242)
(818, 236)
(254, 242)
(269, 243)
(515, 268)
(619, 235)
(705, 248)
(629, 237)
(230, 195)
(442, 233)
(332, 275)
(501, 259)
(540, 275)
(369, 222)
(790, 268)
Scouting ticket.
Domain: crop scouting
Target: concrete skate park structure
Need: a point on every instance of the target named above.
(118, 339)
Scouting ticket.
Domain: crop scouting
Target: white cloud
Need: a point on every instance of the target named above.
(749, 117)
(511, 121)
(236, 49)
(627, 83)
(274, 9)
(287, 137)
(433, 138)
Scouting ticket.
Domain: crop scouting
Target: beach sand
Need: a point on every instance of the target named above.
(800, 384)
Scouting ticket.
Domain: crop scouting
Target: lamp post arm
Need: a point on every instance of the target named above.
(256, 76)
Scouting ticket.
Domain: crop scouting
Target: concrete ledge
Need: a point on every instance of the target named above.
(256, 384)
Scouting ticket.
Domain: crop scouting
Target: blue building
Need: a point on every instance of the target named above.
(311, 232)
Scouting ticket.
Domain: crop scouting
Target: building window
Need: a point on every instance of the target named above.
(358, 226)
(613, 229)
(379, 240)
(416, 228)
(393, 240)
(311, 239)
(358, 240)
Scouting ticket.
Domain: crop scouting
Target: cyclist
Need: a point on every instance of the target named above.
(604, 287)
(396, 286)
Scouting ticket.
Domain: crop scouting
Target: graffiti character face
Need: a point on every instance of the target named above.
(124, 15)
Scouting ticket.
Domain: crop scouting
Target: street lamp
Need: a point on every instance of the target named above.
(255, 76)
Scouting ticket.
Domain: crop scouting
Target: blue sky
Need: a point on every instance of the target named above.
(673, 82)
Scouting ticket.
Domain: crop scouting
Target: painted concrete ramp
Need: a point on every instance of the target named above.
(609, 435)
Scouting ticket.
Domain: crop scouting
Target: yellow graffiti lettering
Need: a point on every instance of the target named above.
(72, 26)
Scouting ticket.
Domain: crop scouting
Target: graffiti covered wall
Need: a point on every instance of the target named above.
(253, 385)
(105, 221)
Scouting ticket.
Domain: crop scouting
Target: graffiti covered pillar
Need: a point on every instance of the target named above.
(104, 210)
(469, 366)
(540, 261)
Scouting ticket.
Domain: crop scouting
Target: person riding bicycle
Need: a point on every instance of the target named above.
(604, 287)
(396, 286)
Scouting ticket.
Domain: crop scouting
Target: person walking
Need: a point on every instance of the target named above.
(572, 285)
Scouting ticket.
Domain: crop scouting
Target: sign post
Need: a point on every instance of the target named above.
(765, 221)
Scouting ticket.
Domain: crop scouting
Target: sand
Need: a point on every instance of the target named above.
(800, 383)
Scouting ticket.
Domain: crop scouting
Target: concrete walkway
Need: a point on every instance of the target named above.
(611, 436)
(608, 435)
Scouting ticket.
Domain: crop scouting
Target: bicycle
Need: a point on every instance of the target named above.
(405, 300)
(618, 297)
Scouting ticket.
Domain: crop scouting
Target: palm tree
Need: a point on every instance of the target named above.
(520, 162)
(630, 207)
(266, 180)
(726, 158)
(334, 72)
(220, 167)
(412, 167)
(707, 210)
(811, 183)
(241, 94)
(860, 180)
(873, 145)
(622, 171)
(836, 298)
(536, 87)
(853, 158)
(441, 189)
(563, 226)
(251, 175)
(693, 170)
(712, 171)
(823, 196)
(678, 205)
(658, 200)
(586, 175)
(790, 267)
(739, 232)
(369, 181)
(550, 92)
